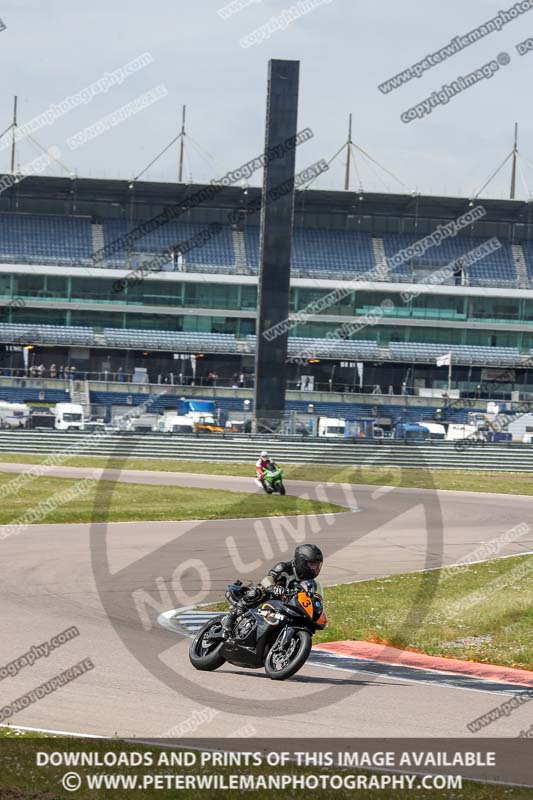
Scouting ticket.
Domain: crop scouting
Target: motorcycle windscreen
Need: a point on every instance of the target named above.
(313, 586)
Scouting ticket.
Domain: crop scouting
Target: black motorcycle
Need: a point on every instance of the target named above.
(275, 634)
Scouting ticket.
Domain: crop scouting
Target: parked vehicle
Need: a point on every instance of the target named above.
(144, 423)
(235, 426)
(207, 424)
(276, 634)
(97, 425)
(332, 427)
(436, 430)
(203, 414)
(42, 417)
(456, 432)
(174, 423)
(411, 431)
(14, 415)
(69, 416)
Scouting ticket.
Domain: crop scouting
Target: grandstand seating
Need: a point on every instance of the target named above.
(527, 247)
(464, 354)
(497, 268)
(50, 334)
(56, 239)
(313, 250)
(217, 251)
(332, 348)
(26, 394)
(192, 342)
(169, 340)
(45, 239)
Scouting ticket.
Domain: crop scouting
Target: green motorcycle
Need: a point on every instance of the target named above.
(272, 480)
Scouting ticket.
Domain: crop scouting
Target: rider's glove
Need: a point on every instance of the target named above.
(278, 591)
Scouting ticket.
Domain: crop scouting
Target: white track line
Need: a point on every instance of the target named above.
(55, 732)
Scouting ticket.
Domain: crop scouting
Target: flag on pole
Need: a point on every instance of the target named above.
(444, 361)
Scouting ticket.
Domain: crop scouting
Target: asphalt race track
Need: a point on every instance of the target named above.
(56, 576)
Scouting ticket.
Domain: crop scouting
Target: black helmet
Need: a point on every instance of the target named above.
(308, 560)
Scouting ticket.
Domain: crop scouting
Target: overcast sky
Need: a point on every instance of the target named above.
(52, 49)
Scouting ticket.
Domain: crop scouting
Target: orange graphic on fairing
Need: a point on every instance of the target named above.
(306, 602)
(323, 619)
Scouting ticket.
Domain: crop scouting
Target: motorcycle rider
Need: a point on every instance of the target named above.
(262, 463)
(305, 565)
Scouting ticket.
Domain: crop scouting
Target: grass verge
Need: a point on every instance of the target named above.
(482, 612)
(107, 501)
(407, 478)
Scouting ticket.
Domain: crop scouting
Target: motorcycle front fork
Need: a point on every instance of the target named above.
(284, 638)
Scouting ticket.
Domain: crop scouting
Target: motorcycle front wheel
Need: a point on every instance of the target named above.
(204, 653)
(282, 663)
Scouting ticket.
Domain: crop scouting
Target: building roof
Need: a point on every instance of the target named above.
(76, 195)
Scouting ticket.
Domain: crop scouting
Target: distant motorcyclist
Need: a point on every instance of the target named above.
(263, 462)
(305, 565)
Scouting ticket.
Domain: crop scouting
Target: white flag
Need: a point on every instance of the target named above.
(444, 361)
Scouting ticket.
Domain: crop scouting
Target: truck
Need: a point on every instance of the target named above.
(456, 432)
(411, 431)
(142, 423)
(42, 417)
(203, 414)
(14, 415)
(69, 416)
(332, 427)
(436, 430)
(174, 423)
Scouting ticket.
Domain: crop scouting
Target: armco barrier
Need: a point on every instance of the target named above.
(388, 452)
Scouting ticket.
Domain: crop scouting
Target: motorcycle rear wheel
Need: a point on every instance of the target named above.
(279, 671)
(201, 655)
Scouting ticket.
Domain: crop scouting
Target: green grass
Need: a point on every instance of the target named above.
(9, 731)
(413, 611)
(112, 502)
(409, 478)
(381, 610)
(22, 779)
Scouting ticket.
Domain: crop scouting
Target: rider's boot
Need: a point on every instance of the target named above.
(228, 622)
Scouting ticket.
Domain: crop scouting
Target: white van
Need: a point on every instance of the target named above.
(436, 430)
(14, 415)
(457, 432)
(69, 416)
(330, 426)
(173, 423)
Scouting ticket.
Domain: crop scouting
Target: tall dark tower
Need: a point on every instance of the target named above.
(275, 247)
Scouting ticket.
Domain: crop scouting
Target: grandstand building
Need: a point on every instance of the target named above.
(66, 286)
